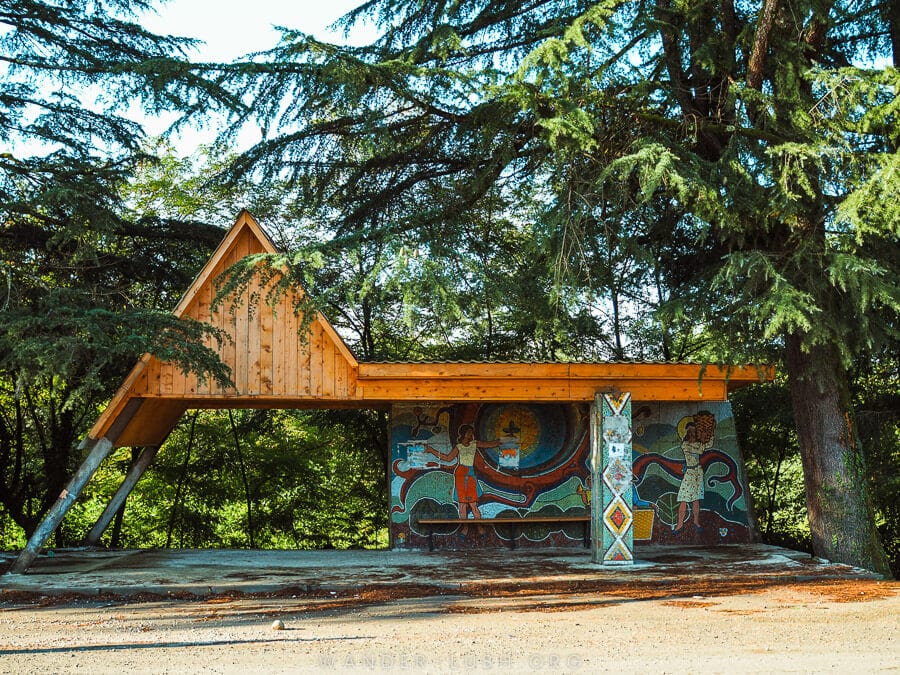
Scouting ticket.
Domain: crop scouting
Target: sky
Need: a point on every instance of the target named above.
(230, 29)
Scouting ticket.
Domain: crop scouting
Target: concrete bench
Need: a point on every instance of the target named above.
(514, 523)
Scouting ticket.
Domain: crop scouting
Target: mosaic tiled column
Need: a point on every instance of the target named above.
(611, 513)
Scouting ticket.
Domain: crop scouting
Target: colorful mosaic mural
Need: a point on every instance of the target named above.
(527, 461)
(688, 470)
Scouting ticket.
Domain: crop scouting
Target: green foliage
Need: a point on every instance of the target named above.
(316, 480)
(178, 189)
(768, 437)
(85, 278)
(877, 395)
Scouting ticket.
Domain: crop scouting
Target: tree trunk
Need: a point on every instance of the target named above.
(841, 519)
(893, 15)
(764, 23)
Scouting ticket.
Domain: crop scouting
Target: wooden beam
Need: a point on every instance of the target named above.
(412, 371)
(120, 401)
(574, 371)
(380, 385)
(535, 390)
(152, 423)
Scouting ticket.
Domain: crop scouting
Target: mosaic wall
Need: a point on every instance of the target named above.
(520, 460)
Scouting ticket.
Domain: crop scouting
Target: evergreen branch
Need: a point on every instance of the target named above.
(749, 132)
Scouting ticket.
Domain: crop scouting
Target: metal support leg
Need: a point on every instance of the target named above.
(134, 475)
(67, 497)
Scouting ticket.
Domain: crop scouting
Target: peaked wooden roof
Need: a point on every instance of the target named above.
(272, 367)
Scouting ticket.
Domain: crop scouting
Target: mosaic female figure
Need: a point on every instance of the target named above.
(466, 487)
(698, 438)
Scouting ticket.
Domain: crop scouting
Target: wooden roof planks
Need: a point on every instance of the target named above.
(273, 366)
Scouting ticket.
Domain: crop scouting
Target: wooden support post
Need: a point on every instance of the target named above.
(67, 497)
(118, 500)
(611, 501)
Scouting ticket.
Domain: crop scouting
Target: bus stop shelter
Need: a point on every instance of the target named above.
(276, 365)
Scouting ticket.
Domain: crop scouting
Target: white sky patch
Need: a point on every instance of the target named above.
(232, 28)
(229, 30)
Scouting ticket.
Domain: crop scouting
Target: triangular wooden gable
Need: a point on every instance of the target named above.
(271, 366)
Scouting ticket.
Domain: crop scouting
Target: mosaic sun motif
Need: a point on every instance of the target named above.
(545, 435)
(519, 421)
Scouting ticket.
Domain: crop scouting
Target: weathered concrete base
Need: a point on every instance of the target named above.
(210, 572)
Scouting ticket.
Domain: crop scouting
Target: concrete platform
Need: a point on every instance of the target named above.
(201, 573)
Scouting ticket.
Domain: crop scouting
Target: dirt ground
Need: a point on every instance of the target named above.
(672, 625)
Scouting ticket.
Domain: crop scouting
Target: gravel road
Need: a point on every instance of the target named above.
(845, 626)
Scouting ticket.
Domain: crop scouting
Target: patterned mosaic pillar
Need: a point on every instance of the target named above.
(611, 513)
